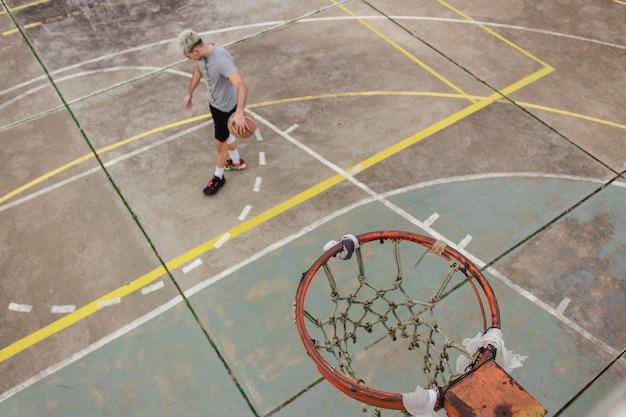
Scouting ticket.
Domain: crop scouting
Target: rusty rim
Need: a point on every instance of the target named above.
(363, 393)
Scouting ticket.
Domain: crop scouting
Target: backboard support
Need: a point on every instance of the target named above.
(489, 391)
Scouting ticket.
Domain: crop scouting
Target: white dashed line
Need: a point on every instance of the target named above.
(466, 240)
(192, 265)
(20, 308)
(245, 212)
(291, 128)
(261, 158)
(356, 169)
(432, 219)
(63, 309)
(570, 323)
(561, 308)
(109, 303)
(257, 184)
(222, 240)
(259, 136)
(152, 288)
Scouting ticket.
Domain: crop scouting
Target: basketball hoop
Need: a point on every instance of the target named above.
(393, 297)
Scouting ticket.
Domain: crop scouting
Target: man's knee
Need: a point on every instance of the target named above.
(220, 145)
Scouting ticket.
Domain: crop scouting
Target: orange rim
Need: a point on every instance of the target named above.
(363, 393)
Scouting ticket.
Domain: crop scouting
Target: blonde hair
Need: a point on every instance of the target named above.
(187, 40)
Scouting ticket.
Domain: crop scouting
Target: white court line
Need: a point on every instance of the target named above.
(89, 349)
(66, 309)
(270, 26)
(546, 307)
(356, 169)
(563, 305)
(304, 19)
(478, 177)
(222, 240)
(262, 161)
(470, 22)
(338, 170)
(245, 212)
(432, 219)
(165, 42)
(466, 241)
(382, 198)
(175, 301)
(196, 263)
(20, 308)
(257, 184)
(152, 288)
(259, 136)
(106, 164)
(291, 128)
(225, 273)
(109, 303)
(86, 74)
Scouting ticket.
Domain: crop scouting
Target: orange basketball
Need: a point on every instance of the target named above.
(250, 126)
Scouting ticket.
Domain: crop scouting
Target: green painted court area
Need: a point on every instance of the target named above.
(167, 365)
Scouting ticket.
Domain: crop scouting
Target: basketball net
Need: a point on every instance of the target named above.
(388, 309)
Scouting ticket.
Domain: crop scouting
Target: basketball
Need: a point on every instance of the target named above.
(250, 126)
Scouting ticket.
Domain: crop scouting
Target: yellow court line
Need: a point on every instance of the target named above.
(56, 18)
(158, 272)
(346, 10)
(29, 26)
(429, 131)
(77, 315)
(294, 100)
(491, 32)
(294, 201)
(159, 129)
(525, 104)
(99, 152)
(407, 53)
(363, 94)
(25, 6)
(93, 307)
(571, 114)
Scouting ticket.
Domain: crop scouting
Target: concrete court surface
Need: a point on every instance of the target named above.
(498, 127)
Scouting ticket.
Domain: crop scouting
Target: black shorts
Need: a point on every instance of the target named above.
(220, 121)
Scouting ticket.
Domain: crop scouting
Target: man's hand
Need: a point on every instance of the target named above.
(240, 123)
(188, 103)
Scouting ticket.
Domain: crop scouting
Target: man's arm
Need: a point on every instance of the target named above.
(195, 79)
(242, 96)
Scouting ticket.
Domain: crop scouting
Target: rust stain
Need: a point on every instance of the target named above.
(490, 392)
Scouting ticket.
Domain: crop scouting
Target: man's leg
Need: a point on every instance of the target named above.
(235, 162)
(218, 179)
(222, 154)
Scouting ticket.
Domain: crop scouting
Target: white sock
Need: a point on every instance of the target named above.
(219, 172)
(234, 155)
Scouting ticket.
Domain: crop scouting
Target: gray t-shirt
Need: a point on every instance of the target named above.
(216, 68)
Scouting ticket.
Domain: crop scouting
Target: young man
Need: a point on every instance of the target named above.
(227, 95)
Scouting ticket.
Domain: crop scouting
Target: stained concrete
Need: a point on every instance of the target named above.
(505, 120)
